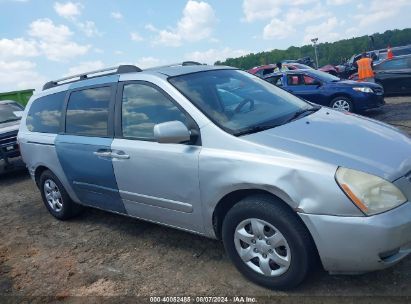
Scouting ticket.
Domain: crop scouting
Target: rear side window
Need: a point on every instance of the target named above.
(44, 115)
(88, 112)
(294, 80)
(309, 80)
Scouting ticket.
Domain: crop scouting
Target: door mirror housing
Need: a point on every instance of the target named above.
(19, 114)
(171, 132)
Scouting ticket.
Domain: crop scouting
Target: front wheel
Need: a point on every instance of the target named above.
(268, 243)
(342, 103)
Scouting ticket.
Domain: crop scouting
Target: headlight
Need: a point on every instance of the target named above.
(363, 89)
(370, 193)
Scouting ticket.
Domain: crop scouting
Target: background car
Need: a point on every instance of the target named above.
(325, 89)
(394, 75)
(10, 115)
(263, 70)
(330, 69)
(349, 68)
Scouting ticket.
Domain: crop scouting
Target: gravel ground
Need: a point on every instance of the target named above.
(102, 254)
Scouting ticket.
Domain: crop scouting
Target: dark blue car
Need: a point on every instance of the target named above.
(328, 90)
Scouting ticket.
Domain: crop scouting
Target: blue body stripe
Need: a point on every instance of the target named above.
(92, 177)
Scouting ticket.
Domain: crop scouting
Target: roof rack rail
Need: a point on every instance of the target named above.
(121, 69)
(184, 63)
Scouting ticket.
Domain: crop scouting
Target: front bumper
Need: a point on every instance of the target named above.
(361, 244)
(10, 158)
(366, 101)
(11, 164)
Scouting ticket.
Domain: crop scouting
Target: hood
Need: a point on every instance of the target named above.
(345, 140)
(9, 127)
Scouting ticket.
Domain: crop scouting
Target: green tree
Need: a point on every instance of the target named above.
(328, 53)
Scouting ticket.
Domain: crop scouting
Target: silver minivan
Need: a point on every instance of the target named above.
(216, 151)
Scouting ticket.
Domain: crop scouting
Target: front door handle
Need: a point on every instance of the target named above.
(102, 153)
(120, 155)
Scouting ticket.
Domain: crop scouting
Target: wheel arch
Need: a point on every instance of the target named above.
(232, 198)
(38, 172)
(340, 94)
(40, 168)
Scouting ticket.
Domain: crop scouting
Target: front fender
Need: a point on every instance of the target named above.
(307, 186)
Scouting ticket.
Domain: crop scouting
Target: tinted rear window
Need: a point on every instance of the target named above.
(88, 111)
(44, 115)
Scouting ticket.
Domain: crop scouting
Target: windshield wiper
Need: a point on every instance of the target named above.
(300, 113)
(263, 127)
(255, 129)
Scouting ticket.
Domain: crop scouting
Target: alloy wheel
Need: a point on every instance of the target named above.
(53, 195)
(341, 105)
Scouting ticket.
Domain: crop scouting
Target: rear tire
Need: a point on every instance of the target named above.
(268, 243)
(342, 103)
(56, 198)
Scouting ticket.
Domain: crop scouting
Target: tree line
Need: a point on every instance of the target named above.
(328, 53)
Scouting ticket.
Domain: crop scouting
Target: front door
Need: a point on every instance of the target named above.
(157, 182)
(305, 87)
(84, 148)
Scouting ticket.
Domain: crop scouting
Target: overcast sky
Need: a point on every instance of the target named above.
(42, 40)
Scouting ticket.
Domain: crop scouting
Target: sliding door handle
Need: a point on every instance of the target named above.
(120, 155)
(102, 153)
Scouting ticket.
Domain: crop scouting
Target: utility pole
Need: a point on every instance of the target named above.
(314, 41)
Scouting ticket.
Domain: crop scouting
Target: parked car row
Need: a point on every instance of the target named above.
(394, 75)
(328, 90)
(378, 56)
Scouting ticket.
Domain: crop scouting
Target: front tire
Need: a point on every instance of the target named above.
(268, 243)
(56, 198)
(342, 103)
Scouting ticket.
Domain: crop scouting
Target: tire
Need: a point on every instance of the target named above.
(298, 247)
(56, 198)
(342, 103)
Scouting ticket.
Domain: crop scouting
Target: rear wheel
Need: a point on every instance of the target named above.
(56, 198)
(342, 103)
(268, 243)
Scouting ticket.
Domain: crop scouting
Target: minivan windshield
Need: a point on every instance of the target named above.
(238, 102)
(7, 112)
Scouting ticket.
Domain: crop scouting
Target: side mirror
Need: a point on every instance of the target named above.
(19, 114)
(171, 132)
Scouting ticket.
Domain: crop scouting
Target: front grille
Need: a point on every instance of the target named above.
(8, 138)
(8, 145)
(7, 141)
